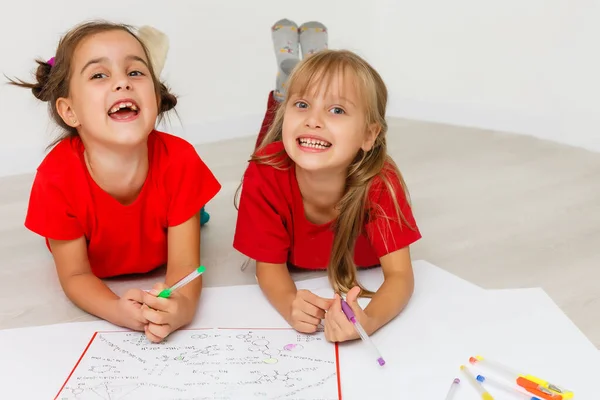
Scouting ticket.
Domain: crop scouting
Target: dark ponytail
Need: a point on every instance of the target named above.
(168, 100)
(42, 75)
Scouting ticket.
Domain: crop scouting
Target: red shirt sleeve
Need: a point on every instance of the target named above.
(50, 213)
(386, 230)
(260, 232)
(190, 185)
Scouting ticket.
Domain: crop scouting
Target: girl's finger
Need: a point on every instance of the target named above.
(311, 309)
(304, 327)
(334, 326)
(156, 317)
(151, 336)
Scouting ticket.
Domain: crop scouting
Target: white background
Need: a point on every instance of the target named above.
(525, 67)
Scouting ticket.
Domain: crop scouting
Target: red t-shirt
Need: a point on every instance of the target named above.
(272, 226)
(66, 203)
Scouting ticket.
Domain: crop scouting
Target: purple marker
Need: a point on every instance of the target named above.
(350, 314)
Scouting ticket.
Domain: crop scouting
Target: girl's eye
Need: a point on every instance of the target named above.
(337, 110)
(301, 104)
(98, 76)
(136, 73)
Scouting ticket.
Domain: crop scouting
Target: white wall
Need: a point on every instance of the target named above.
(221, 61)
(528, 67)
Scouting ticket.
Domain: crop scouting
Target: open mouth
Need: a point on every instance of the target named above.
(124, 110)
(313, 143)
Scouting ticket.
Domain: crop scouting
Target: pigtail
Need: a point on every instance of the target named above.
(168, 101)
(42, 75)
(41, 88)
(52, 82)
(156, 47)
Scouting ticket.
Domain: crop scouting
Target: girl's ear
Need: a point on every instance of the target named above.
(66, 112)
(373, 131)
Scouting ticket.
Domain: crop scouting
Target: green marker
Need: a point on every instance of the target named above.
(165, 293)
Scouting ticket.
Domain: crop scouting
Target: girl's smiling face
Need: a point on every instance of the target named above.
(112, 99)
(325, 127)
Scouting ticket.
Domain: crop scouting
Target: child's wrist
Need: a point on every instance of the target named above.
(288, 306)
(190, 305)
(370, 325)
(113, 313)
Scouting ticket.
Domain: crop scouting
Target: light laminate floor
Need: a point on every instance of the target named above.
(500, 210)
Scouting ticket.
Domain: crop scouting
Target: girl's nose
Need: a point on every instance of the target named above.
(314, 120)
(122, 83)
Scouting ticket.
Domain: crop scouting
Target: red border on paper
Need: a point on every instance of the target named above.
(337, 353)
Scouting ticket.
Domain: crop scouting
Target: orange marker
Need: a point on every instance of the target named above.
(536, 386)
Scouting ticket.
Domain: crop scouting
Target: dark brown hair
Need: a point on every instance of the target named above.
(368, 167)
(52, 81)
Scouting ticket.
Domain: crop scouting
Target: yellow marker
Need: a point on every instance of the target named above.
(536, 386)
(475, 383)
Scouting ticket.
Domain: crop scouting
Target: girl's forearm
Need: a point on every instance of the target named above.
(192, 290)
(388, 301)
(189, 293)
(89, 293)
(278, 287)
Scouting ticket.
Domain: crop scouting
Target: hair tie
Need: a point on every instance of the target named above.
(51, 62)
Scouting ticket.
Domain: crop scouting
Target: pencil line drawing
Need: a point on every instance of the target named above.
(224, 364)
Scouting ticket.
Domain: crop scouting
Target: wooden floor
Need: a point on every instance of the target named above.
(500, 210)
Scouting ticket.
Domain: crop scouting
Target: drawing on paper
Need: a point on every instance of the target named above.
(224, 364)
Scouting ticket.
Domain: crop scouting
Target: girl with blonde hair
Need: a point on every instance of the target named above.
(321, 193)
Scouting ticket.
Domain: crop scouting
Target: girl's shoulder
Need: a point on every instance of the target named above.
(169, 144)
(389, 175)
(170, 153)
(63, 161)
(275, 149)
(388, 187)
(270, 160)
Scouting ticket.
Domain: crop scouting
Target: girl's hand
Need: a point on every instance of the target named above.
(130, 309)
(338, 327)
(308, 310)
(165, 315)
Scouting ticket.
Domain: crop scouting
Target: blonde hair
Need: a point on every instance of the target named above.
(320, 68)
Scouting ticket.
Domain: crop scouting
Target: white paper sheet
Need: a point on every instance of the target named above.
(225, 364)
(446, 322)
(425, 346)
